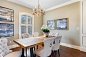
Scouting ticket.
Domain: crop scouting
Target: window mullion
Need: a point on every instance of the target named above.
(27, 24)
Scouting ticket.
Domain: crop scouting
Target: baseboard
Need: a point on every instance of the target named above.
(71, 46)
(83, 48)
(74, 47)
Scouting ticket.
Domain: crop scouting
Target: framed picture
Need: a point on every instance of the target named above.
(6, 14)
(6, 30)
(62, 24)
(52, 23)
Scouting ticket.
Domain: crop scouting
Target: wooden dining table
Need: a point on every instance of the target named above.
(31, 42)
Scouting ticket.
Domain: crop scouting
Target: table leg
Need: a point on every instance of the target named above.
(31, 52)
(37, 46)
(26, 52)
(34, 48)
(22, 53)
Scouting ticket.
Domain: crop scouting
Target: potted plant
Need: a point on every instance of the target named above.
(46, 30)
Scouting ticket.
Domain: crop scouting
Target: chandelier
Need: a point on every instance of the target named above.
(38, 11)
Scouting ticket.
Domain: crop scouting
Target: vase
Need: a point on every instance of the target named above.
(46, 34)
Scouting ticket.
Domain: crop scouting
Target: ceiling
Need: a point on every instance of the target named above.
(45, 4)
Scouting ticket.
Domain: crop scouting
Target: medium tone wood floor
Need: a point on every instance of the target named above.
(64, 52)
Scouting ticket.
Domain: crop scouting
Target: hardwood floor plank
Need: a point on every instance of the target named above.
(64, 52)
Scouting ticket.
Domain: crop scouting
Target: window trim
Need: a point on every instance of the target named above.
(27, 14)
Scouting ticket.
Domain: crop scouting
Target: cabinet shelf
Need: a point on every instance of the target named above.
(7, 22)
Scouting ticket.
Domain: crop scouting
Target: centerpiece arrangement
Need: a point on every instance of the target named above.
(46, 30)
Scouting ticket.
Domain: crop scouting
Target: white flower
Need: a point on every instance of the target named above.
(46, 27)
(41, 28)
(43, 25)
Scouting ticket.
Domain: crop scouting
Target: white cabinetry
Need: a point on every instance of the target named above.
(84, 41)
(84, 17)
(83, 23)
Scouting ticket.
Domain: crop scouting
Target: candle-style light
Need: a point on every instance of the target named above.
(38, 11)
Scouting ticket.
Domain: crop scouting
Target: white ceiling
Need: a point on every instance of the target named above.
(45, 4)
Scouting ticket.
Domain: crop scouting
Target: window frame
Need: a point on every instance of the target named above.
(32, 25)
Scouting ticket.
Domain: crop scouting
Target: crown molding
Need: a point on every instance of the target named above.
(21, 3)
(83, 0)
(58, 6)
(61, 5)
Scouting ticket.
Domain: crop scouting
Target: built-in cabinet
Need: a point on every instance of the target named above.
(26, 23)
(83, 36)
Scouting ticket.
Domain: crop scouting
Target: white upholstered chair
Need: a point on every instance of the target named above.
(25, 36)
(14, 54)
(28, 50)
(36, 34)
(54, 34)
(46, 50)
(4, 51)
(57, 44)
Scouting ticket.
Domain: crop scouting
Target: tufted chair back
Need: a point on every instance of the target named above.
(25, 36)
(3, 47)
(57, 43)
(54, 34)
(48, 44)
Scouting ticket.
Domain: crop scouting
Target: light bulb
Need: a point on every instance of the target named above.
(33, 9)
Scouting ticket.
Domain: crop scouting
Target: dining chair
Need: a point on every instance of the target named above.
(54, 34)
(4, 51)
(36, 34)
(46, 50)
(25, 36)
(57, 44)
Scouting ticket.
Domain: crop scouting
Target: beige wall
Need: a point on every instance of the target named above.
(17, 8)
(72, 11)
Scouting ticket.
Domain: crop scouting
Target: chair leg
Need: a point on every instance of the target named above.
(58, 52)
(54, 53)
(34, 48)
(34, 55)
(50, 56)
(42, 45)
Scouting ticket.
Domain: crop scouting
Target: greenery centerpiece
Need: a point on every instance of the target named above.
(46, 29)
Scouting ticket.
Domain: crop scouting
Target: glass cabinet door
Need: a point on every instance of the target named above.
(26, 24)
(23, 19)
(23, 29)
(29, 20)
(30, 30)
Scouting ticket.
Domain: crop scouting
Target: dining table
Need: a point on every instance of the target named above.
(31, 42)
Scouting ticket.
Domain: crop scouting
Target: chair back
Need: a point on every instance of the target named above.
(3, 47)
(54, 34)
(36, 34)
(48, 44)
(57, 43)
(25, 36)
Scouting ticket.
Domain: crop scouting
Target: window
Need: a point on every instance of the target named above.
(26, 23)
